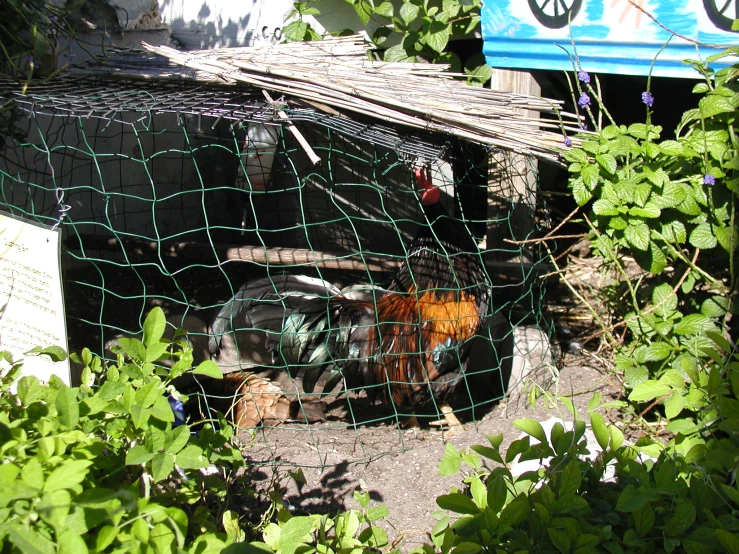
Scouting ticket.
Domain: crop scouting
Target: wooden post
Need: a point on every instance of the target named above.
(512, 177)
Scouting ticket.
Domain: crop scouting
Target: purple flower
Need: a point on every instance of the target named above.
(584, 126)
(178, 410)
(584, 100)
(584, 77)
(568, 141)
(709, 179)
(647, 98)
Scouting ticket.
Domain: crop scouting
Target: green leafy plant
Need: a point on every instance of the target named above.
(670, 207)
(676, 503)
(352, 531)
(418, 30)
(104, 466)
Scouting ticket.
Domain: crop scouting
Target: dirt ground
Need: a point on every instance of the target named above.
(405, 480)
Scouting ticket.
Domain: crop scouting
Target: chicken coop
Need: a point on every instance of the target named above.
(179, 180)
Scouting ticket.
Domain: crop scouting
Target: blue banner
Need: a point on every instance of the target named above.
(610, 36)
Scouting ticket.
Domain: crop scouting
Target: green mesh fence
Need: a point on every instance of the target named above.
(176, 195)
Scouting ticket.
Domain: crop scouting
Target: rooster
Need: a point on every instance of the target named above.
(407, 345)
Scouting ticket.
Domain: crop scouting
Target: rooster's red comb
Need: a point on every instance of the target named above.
(430, 194)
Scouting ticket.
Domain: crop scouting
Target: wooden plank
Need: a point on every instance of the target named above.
(503, 273)
(512, 177)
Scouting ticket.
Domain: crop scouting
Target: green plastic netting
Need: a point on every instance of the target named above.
(176, 194)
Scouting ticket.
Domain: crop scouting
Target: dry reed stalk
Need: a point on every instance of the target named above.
(338, 73)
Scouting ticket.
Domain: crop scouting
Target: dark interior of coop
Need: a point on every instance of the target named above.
(175, 210)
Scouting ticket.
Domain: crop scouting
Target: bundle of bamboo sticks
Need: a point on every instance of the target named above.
(338, 72)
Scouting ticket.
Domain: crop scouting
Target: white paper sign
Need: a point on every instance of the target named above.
(31, 304)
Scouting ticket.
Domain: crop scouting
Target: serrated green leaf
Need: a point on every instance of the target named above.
(295, 30)
(649, 211)
(380, 35)
(471, 459)
(637, 235)
(385, 10)
(607, 162)
(671, 147)
(604, 208)
(712, 105)
(580, 193)
(451, 460)
(693, 324)
(641, 193)
(657, 351)
(674, 231)
(576, 155)
(727, 237)
(664, 297)
(397, 53)
(591, 146)
(590, 175)
(409, 12)
(716, 306)
(638, 130)
(703, 237)
(363, 10)
(437, 36)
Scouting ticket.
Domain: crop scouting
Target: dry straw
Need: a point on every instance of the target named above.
(337, 74)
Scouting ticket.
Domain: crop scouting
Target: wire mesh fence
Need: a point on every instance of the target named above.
(177, 195)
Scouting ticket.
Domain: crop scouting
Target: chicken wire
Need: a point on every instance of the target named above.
(166, 197)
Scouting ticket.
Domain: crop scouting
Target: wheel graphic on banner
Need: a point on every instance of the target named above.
(722, 12)
(556, 14)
